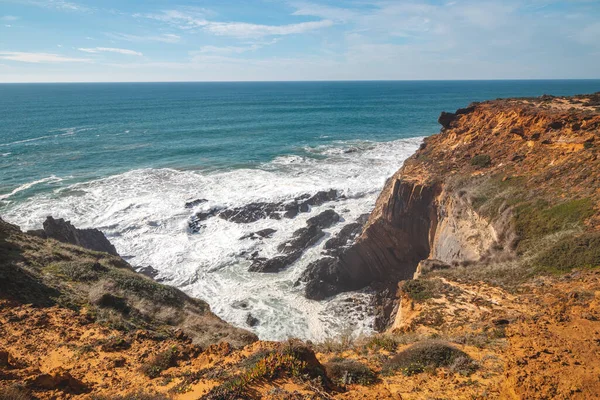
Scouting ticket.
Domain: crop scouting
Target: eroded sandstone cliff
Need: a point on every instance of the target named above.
(501, 178)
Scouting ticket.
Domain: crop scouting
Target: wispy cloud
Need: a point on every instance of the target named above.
(39, 57)
(244, 30)
(225, 50)
(9, 18)
(164, 38)
(56, 4)
(111, 50)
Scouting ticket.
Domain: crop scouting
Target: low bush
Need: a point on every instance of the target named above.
(481, 161)
(537, 219)
(78, 271)
(346, 372)
(422, 289)
(160, 362)
(146, 288)
(421, 356)
(581, 251)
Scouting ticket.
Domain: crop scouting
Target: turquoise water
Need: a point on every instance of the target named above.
(79, 132)
(125, 158)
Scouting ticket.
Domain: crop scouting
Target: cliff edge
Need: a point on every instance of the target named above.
(509, 183)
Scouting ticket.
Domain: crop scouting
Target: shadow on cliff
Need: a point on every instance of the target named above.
(16, 283)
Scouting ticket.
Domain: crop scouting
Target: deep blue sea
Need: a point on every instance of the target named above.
(125, 157)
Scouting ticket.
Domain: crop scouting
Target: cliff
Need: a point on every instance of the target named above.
(496, 219)
(504, 180)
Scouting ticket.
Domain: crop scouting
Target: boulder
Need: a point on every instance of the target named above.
(264, 233)
(252, 320)
(63, 231)
(194, 203)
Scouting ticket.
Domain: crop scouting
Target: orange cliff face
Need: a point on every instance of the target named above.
(465, 195)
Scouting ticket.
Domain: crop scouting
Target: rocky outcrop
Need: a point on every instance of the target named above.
(63, 231)
(301, 240)
(47, 274)
(394, 240)
(256, 211)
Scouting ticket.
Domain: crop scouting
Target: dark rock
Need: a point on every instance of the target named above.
(555, 125)
(5, 359)
(324, 220)
(252, 320)
(63, 231)
(346, 236)
(384, 303)
(265, 233)
(253, 212)
(322, 197)
(241, 304)
(148, 271)
(195, 223)
(275, 264)
(446, 118)
(194, 203)
(303, 238)
(323, 278)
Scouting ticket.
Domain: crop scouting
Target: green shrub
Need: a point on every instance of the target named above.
(421, 356)
(422, 289)
(346, 372)
(481, 161)
(537, 219)
(78, 271)
(160, 362)
(147, 288)
(581, 251)
(385, 342)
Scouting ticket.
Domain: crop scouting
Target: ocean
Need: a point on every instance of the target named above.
(126, 157)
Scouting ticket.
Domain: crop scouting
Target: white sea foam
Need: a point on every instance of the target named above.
(29, 185)
(142, 212)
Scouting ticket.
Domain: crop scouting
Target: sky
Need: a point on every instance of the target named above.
(272, 40)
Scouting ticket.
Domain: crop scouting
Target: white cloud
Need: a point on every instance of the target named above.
(246, 30)
(224, 50)
(62, 5)
(164, 38)
(9, 18)
(8, 26)
(186, 20)
(38, 57)
(110, 50)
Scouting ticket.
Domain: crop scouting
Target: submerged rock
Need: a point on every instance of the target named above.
(264, 233)
(251, 320)
(194, 203)
(148, 271)
(63, 231)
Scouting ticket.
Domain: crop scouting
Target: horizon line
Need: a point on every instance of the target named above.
(309, 81)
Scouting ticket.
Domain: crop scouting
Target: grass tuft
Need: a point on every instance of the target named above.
(423, 356)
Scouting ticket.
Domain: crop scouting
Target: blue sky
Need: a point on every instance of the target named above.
(227, 40)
